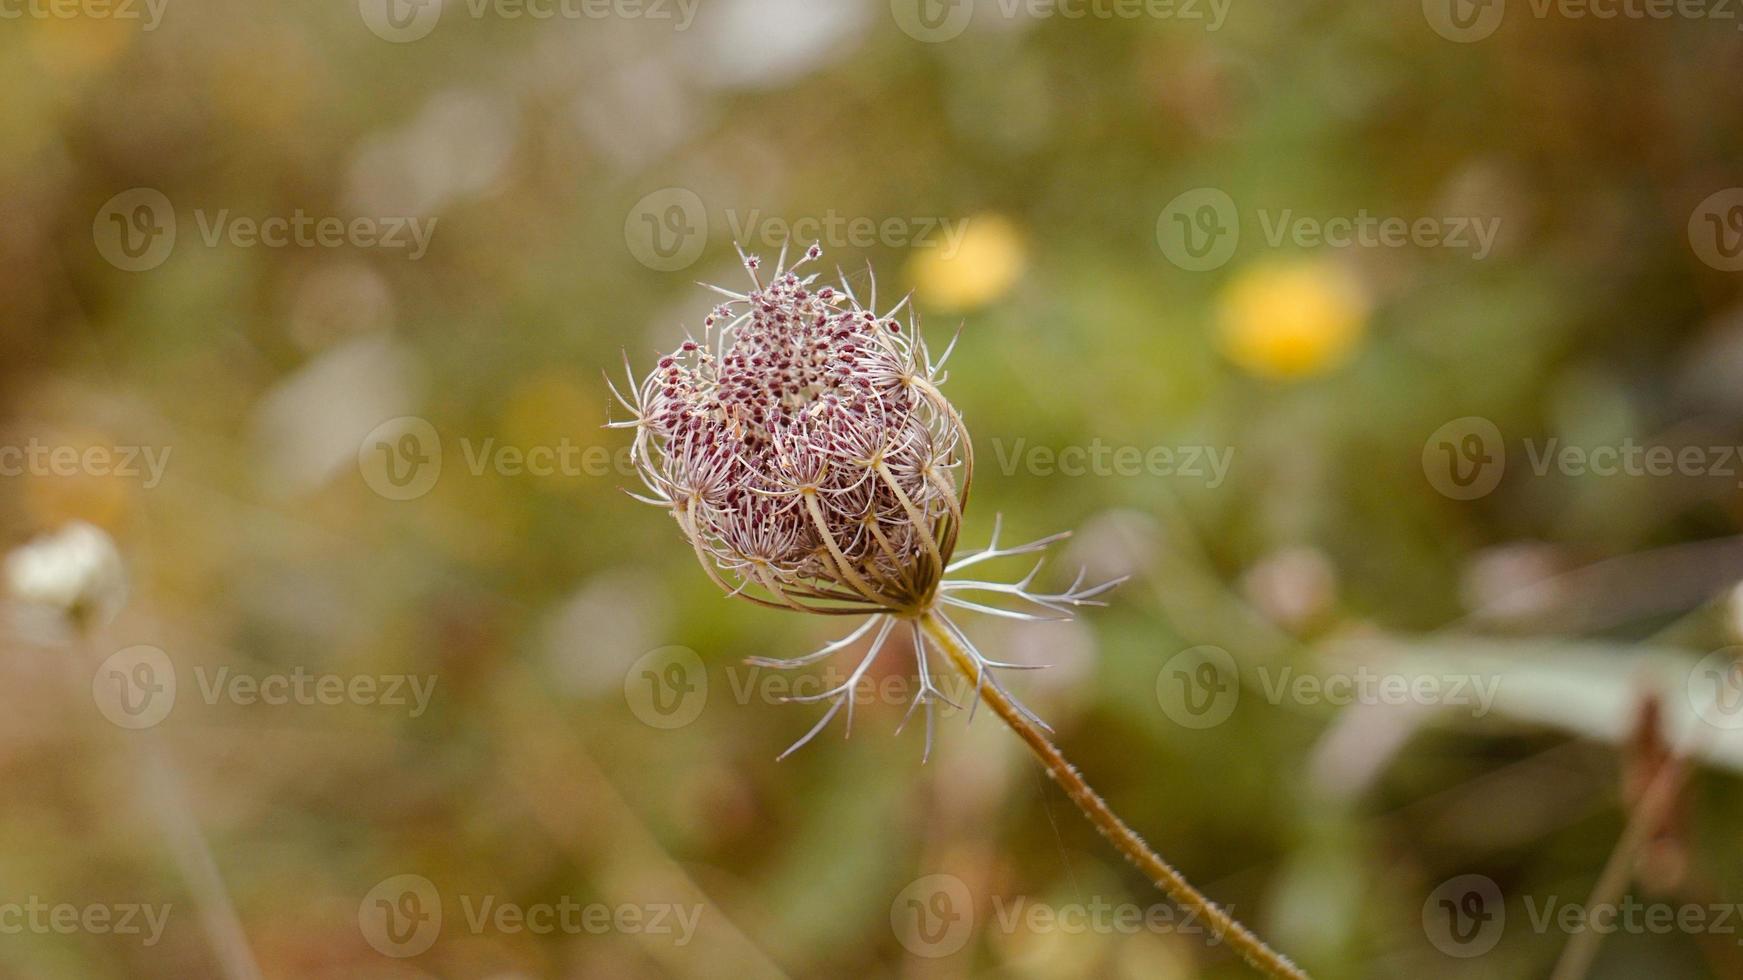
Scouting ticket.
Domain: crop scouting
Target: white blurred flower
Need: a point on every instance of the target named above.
(75, 571)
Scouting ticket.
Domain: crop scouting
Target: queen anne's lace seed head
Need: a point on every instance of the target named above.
(804, 448)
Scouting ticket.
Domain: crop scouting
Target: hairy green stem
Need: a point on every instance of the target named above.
(1129, 844)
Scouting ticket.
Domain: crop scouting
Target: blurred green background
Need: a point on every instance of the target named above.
(1134, 222)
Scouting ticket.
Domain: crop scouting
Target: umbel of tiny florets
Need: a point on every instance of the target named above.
(806, 451)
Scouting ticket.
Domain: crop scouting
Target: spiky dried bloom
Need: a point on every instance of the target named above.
(803, 446)
(807, 453)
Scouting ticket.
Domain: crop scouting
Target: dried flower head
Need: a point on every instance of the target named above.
(809, 457)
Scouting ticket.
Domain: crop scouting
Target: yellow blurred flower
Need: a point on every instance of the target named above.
(1292, 319)
(971, 264)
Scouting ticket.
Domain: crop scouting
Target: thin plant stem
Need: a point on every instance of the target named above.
(161, 786)
(1129, 844)
(1648, 815)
